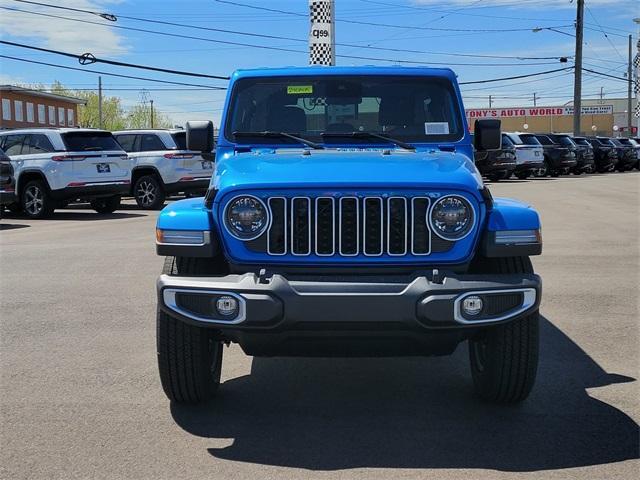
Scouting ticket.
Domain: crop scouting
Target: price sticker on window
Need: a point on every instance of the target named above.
(299, 89)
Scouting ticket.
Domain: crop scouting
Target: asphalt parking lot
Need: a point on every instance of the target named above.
(81, 396)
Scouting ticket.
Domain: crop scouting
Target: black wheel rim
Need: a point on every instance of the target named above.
(33, 200)
(146, 193)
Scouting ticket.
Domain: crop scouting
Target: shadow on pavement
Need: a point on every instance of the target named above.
(80, 215)
(327, 414)
(11, 226)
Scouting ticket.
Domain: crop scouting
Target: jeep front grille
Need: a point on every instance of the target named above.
(349, 226)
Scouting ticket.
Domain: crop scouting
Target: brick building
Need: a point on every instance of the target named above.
(24, 108)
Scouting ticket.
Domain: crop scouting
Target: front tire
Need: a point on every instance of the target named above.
(504, 358)
(36, 201)
(149, 192)
(106, 205)
(189, 358)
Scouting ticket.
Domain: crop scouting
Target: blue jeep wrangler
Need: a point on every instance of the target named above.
(346, 218)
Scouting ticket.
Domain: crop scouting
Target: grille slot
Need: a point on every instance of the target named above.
(301, 226)
(420, 234)
(277, 237)
(397, 226)
(373, 238)
(351, 226)
(325, 226)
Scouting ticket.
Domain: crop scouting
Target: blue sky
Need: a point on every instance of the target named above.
(418, 25)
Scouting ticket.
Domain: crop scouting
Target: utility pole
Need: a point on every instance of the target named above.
(577, 81)
(99, 102)
(535, 100)
(601, 95)
(151, 101)
(322, 32)
(490, 103)
(630, 90)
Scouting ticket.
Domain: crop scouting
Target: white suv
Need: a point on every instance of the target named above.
(55, 166)
(161, 164)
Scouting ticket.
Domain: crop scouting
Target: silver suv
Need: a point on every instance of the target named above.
(55, 166)
(163, 165)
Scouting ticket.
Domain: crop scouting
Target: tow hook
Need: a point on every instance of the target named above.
(437, 277)
(264, 277)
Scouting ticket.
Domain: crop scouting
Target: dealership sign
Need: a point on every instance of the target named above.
(536, 111)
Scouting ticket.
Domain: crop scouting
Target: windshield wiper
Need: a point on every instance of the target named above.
(272, 134)
(395, 141)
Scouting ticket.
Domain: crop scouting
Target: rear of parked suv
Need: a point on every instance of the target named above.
(54, 167)
(529, 155)
(162, 165)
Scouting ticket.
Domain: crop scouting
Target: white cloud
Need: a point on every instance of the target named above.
(65, 35)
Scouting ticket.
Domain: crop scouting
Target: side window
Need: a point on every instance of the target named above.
(13, 144)
(37, 143)
(127, 142)
(150, 143)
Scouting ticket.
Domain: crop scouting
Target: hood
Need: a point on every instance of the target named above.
(340, 168)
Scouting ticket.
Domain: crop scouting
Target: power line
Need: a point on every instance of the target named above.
(515, 77)
(376, 24)
(294, 39)
(267, 47)
(89, 58)
(111, 74)
(625, 80)
(603, 32)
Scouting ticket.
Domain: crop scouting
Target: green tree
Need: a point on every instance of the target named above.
(114, 115)
(140, 117)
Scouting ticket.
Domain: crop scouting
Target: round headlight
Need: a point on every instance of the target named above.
(452, 217)
(246, 217)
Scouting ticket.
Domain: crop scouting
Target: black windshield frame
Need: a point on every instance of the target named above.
(449, 103)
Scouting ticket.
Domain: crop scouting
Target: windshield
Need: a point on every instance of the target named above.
(566, 141)
(90, 141)
(410, 109)
(530, 140)
(581, 141)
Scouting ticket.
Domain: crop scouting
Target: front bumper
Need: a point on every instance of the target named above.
(280, 316)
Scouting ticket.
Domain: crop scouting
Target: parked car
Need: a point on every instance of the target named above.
(54, 166)
(161, 165)
(626, 155)
(636, 145)
(558, 159)
(7, 182)
(585, 154)
(566, 141)
(529, 155)
(606, 156)
(497, 164)
(630, 143)
(330, 232)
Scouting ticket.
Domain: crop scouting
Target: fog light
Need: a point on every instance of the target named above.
(227, 306)
(472, 305)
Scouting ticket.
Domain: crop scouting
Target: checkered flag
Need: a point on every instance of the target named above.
(637, 111)
(320, 54)
(320, 12)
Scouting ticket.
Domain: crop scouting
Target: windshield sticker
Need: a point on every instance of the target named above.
(436, 128)
(299, 89)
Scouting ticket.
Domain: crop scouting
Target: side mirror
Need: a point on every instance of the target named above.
(486, 135)
(200, 136)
